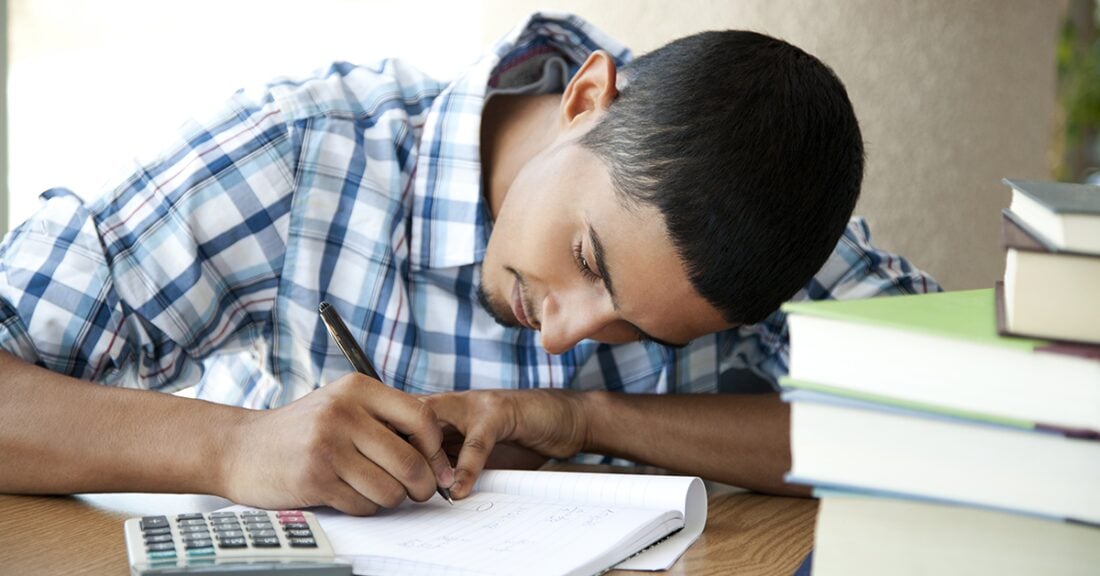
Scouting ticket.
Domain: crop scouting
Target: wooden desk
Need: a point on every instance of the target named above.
(745, 534)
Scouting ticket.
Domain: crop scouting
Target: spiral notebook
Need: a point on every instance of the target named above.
(529, 522)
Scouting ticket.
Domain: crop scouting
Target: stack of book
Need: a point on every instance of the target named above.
(940, 441)
(1051, 236)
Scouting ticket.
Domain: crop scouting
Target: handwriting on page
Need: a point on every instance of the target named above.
(488, 533)
(501, 525)
(516, 522)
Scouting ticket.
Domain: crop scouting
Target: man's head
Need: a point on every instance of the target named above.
(708, 180)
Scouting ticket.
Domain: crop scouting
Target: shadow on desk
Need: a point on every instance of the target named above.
(746, 533)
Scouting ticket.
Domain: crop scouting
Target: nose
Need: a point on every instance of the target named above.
(567, 321)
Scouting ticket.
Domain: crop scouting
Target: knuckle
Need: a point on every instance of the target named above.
(475, 443)
(411, 466)
(363, 507)
(349, 384)
(491, 405)
(331, 409)
(392, 496)
(354, 505)
(424, 416)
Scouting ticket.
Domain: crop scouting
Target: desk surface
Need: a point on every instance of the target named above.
(745, 534)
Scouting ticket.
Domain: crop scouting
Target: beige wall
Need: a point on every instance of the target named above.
(952, 96)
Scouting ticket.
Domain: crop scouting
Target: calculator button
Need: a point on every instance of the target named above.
(227, 526)
(195, 522)
(187, 541)
(238, 542)
(224, 521)
(195, 516)
(259, 527)
(265, 542)
(161, 554)
(298, 533)
(207, 551)
(160, 546)
(228, 533)
(303, 543)
(295, 526)
(253, 514)
(191, 529)
(263, 533)
(157, 531)
(223, 515)
(192, 544)
(154, 538)
(153, 522)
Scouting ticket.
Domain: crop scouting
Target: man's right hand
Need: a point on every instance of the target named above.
(338, 446)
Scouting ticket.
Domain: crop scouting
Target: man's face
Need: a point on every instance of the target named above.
(569, 258)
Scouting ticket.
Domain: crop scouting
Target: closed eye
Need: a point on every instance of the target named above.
(582, 265)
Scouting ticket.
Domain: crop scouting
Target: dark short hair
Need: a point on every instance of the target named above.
(750, 150)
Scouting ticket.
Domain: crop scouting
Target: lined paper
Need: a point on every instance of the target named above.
(530, 522)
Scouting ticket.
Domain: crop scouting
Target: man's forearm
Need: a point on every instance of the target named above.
(738, 439)
(62, 435)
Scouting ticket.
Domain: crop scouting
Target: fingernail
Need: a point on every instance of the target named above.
(447, 478)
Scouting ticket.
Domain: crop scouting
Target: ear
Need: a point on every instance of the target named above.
(591, 90)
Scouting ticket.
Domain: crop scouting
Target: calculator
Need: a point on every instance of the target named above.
(225, 543)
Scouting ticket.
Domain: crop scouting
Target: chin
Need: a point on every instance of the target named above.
(496, 307)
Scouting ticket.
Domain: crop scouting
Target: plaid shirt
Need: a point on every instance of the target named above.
(360, 186)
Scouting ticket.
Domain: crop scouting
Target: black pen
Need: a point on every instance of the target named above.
(358, 359)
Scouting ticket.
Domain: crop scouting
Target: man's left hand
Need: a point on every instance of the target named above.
(551, 423)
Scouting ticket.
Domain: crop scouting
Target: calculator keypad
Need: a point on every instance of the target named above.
(195, 536)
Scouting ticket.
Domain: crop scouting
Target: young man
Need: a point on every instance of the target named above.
(571, 245)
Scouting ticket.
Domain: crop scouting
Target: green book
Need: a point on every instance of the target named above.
(942, 352)
(966, 315)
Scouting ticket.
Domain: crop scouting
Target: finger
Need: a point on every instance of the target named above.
(370, 480)
(450, 408)
(471, 460)
(479, 434)
(396, 458)
(348, 500)
(418, 422)
(440, 464)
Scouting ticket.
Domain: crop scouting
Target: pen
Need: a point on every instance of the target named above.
(358, 359)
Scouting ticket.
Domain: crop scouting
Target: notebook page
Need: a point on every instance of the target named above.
(685, 494)
(494, 534)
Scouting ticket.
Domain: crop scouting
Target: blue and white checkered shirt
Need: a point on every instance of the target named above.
(360, 186)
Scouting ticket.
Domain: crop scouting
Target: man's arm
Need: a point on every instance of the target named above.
(742, 440)
(61, 435)
(737, 439)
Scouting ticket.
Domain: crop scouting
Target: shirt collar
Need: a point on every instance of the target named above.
(450, 219)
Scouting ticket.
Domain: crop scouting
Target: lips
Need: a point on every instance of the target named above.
(517, 306)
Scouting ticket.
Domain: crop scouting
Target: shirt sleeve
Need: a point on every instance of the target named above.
(178, 262)
(856, 269)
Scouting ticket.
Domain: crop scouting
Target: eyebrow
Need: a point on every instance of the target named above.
(605, 276)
